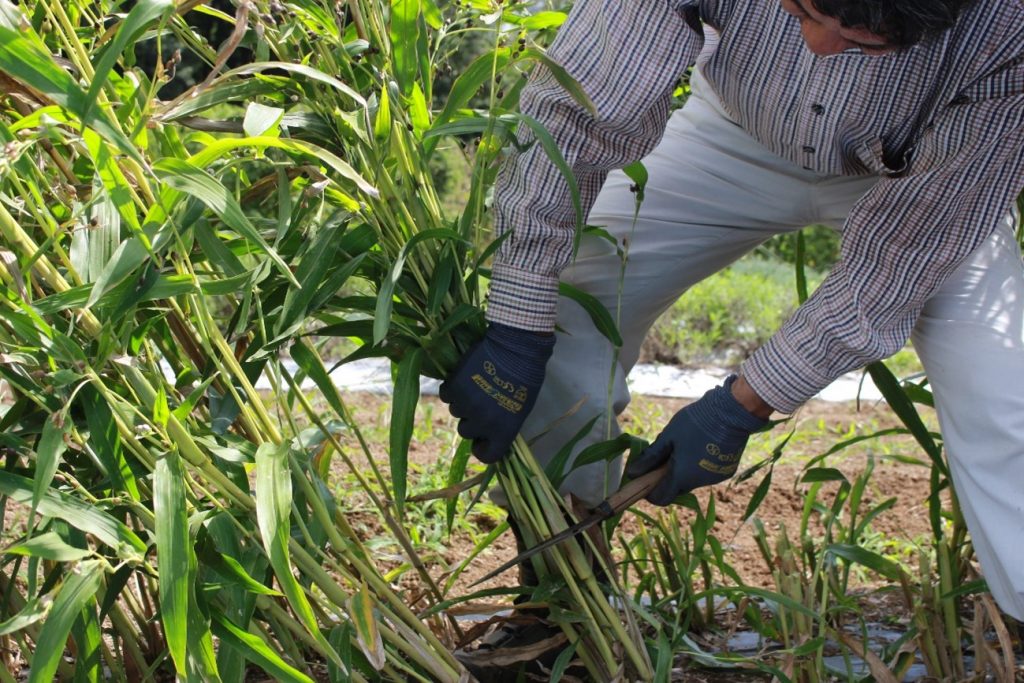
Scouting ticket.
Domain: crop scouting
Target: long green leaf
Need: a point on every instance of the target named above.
(141, 15)
(273, 513)
(78, 590)
(32, 612)
(600, 316)
(24, 56)
(867, 558)
(218, 148)
(172, 548)
(49, 546)
(904, 408)
(189, 178)
(404, 40)
(367, 633)
(89, 643)
(305, 358)
(82, 516)
(256, 651)
(386, 292)
(555, 156)
(403, 415)
(48, 452)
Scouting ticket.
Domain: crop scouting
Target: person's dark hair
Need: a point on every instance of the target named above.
(901, 22)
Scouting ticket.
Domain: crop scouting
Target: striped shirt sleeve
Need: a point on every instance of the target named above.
(627, 56)
(900, 242)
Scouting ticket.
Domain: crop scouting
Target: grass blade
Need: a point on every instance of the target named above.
(82, 516)
(48, 453)
(24, 56)
(141, 15)
(78, 590)
(367, 633)
(600, 316)
(172, 550)
(273, 513)
(196, 182)
(256, 651)
(49, 546)
(404, 33)
(403, 414)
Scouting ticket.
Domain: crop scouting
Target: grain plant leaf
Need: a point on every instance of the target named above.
(194, 181)
(172, 548)
(256, 651)
(141, 15)
(244, 91)
(542, 20)
(561, 664)
(300, 69)
(600, 316)
(229, 568)
(456, 473)
(555, 156)
(470, 81)
(403, 415)
(76, 592)
(823, 474)
(24, 56)
(367, 633)
(32, 612)
(82, 516)
(386, 292)
(904, 408)
(319, 269)
(405, 27)
(382, 120)
(88, 642)
(273, 513)
(419, 112)
(563, 77)
(219, 148)
(759, 493)
(308, 361)
(49, 450)
(49, 546)
(261, 119)
(867, 558)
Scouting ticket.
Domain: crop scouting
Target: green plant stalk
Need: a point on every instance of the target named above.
(182, 437)
(949, 613)
(571, 561)
(292, 626)
(16, 237)
(347, 418)
(338, 596)
(396, 528)
(926, 639)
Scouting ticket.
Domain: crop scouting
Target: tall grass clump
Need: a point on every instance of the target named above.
(161, 256)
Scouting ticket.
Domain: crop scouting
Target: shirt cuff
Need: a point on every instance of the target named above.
(781, 376)
(522, 299)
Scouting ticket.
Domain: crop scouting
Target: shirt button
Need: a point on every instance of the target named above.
(818, 109)
(808, 149)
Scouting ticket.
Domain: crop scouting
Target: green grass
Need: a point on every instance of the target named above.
(724, 318)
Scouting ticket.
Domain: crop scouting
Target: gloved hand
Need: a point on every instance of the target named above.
(494, 386)
(703, 442)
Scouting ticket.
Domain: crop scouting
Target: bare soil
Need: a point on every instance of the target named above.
(817, 428)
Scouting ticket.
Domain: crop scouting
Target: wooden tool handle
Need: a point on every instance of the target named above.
(636, 489)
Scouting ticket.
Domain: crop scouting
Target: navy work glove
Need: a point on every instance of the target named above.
(703, 442)
(494, 386)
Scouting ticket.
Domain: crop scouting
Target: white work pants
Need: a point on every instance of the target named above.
(714, 194)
